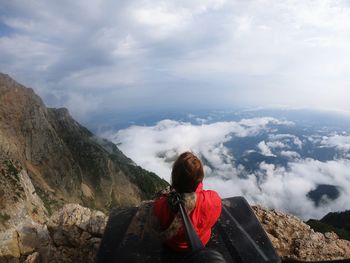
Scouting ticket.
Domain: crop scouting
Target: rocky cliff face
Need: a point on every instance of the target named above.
(71, 234)
(64, 161)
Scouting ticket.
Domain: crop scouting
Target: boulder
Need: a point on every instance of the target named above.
(73, 234)
(76, 232)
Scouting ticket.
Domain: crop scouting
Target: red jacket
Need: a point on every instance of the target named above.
(204, 208)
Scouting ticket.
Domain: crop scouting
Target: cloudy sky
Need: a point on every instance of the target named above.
(95, 56)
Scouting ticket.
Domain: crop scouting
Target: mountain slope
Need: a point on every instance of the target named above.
(338, 222)
(64, 161)
(292, 238)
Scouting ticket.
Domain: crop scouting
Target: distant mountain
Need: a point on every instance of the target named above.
(338, 222)
(338, 219)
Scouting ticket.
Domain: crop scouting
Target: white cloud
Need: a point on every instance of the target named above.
(127, 46)
(341, 142)
(276, 145)
(265, 150)
(156, 147)
(278, 139)
(286, 189)
(290, 154)
(21, 24)
(161, 20)
(26, 50)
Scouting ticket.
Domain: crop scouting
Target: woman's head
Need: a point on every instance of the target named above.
(187, 173)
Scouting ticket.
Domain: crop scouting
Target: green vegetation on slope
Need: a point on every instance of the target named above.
(339, 222)
(149, 183)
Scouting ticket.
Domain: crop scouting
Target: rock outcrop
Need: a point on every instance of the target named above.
(292, 238)
(72, 234)
(65, 161)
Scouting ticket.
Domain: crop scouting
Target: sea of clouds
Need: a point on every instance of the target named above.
(156, 147)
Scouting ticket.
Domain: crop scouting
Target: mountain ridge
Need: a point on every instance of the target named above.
(64, 160)
(338, 222)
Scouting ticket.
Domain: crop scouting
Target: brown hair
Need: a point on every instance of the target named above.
(187, 173)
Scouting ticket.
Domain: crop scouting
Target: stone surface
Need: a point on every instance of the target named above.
(33, 258)
(76, 231)
(9, 244)
(34, 237)
(292, 238)
(72, 234)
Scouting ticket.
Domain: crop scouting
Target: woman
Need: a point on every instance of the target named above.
(203, 206)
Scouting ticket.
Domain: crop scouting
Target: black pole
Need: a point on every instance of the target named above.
(193, 239)
(198, 254)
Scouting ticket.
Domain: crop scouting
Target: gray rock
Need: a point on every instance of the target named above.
(292, 238)
(33, 258)
(9, 244)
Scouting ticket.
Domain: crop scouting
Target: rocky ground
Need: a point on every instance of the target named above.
(292, 238)
(72, 234)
